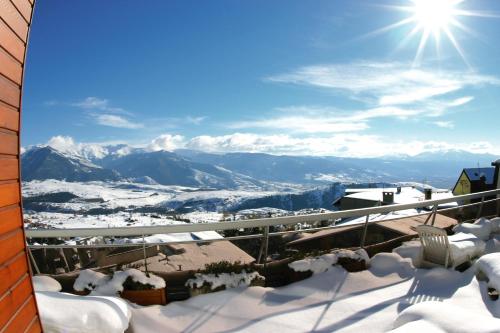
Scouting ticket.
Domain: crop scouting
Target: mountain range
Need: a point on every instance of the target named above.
(240, 170)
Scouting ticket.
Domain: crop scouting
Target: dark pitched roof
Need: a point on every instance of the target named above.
(475, 174)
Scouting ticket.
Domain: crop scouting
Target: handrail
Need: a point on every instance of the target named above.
(254, 223)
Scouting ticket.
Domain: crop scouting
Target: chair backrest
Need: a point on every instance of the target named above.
(436, 248)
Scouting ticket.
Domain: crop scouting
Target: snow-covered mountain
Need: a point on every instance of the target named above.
(240, 170)
(162, 167)
(168, 168)
(48, 163)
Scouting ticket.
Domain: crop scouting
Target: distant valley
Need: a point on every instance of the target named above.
(123, 186)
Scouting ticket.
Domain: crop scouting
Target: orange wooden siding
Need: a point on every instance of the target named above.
(18, 311)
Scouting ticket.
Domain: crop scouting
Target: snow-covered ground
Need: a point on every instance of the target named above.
(122, 219)
(336, 301)
(392, 294)
(113, 195)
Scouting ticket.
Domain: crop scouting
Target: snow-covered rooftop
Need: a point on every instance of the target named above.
(406, 195)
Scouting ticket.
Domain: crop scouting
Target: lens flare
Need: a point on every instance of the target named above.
(433, 19)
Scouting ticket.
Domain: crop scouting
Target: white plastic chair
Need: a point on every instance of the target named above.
(435, 246)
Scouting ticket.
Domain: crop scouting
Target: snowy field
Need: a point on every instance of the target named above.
(60, 204)
(121, 219)
(113, 195)
(392, 294)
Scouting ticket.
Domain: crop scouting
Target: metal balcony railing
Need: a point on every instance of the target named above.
(263, 223)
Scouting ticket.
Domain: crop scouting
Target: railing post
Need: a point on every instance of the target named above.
(61, 252)
(266, 244)
(365, 229)
(432, 215)
(498, 205)
(145, 255)
(37, 270)
(480, 211)
(263, 246)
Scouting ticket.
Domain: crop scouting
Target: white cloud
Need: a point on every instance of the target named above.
(444, 124)
(62, 143)
(195, 120)
(303, 124)
(95, 103)
(115, 121)
(342, 145)
(67, 144)
(167, 142)
(461, 101)
(92, 103)
(386, 90)
(385, 83)
(318, 119)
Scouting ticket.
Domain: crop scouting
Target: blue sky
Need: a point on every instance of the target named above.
(285, 77)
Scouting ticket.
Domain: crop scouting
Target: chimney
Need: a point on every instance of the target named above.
(387, 198)
(428, 193)
(496, 183)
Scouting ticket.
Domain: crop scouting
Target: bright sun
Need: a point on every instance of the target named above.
(432, 19)
(434, 15)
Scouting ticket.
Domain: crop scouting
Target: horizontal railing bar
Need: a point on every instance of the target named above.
(243, 224)
(243, 237)
(139, 245)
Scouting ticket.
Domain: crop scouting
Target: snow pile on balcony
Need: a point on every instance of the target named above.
(45, 283)
(411, 250)
(389, 263)
(101, 284)
(493, 245)
(481, 228)
(391, 294)
(60, 312)
(227, 280)
(434, 316)
(464, 246)
(89, 280)
(324, 262)
(316, 265)
(495, 225)
(489, 265)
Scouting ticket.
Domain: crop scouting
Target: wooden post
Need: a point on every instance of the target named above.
(145, 255)
(33, 262)
(365, 230)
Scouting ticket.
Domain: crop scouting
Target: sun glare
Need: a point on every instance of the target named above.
(433, 19)
(434, 15)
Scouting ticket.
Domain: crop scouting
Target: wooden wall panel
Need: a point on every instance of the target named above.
(10, 169)
(18, 312)
(13, 270)
(10, 219)
(14, 299)
(23, 318)
(11, 244)
(10, 93)
(24, 7)
(35, 326)
(14, 19)
(9, 117)
(9, 194)
(10, 42)
(10, 67)
(8, 143)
